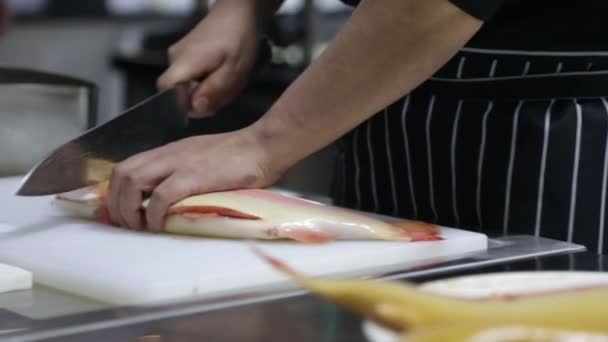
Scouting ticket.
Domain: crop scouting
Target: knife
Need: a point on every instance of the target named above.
(89, 158)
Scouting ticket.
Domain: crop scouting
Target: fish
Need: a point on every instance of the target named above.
(425, 316)
(259, 214)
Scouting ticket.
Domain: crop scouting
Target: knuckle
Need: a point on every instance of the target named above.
(214, 81)
(190, 52)
(160, 195)
(185, 174)
(184, 171)
(237, 64)
(125, 175)
(174, 50)
(225, 80)
(162, 83)
(215, 85)
(232, 58)
(130, 179)
(220, 56)
(250, 177)
(119, 171)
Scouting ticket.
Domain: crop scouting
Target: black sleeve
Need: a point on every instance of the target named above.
(481, 9)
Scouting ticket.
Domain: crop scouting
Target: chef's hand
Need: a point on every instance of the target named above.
(194, 165)
(221, 51)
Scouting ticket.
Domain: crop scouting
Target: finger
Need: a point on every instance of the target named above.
(215, 91)
(112, 200)
(120, 173)
(130, 198)
(138, 181)
(176, 73)
(173, 189)
(183, 95)
(187, 68)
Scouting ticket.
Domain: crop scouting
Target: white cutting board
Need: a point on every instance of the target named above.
(124, 267)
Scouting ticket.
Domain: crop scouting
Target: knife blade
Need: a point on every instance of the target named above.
(89, 158)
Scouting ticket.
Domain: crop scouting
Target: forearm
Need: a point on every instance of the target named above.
(385, 50)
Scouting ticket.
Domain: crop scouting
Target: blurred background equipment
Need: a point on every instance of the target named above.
(38, 112)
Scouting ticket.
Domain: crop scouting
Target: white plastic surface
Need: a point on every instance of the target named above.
(126, 267)
(14, 278)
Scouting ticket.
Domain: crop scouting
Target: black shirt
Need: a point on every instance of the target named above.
(482, 9)
(556, 25)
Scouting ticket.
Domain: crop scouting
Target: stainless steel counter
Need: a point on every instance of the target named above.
(44, 313)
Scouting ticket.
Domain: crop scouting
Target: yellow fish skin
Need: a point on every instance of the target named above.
(403, 307)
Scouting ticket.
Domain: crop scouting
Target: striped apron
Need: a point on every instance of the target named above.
(501, 142)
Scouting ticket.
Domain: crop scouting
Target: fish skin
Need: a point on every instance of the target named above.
(422, 316)
(262, 214)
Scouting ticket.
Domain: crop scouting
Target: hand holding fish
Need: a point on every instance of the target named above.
(256, 214)
(195, 165)
(329, 99)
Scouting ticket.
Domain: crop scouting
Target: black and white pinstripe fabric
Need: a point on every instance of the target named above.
(529, 157)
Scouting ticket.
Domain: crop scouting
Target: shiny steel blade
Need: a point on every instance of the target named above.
(88, 159)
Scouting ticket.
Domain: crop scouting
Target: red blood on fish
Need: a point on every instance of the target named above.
(194, 212)
(309, 236)
(198, 216)
(103, 214)
(418, 230)
(102, 190)
(425, 237)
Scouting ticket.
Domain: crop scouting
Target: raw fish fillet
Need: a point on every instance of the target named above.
(259, 214)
